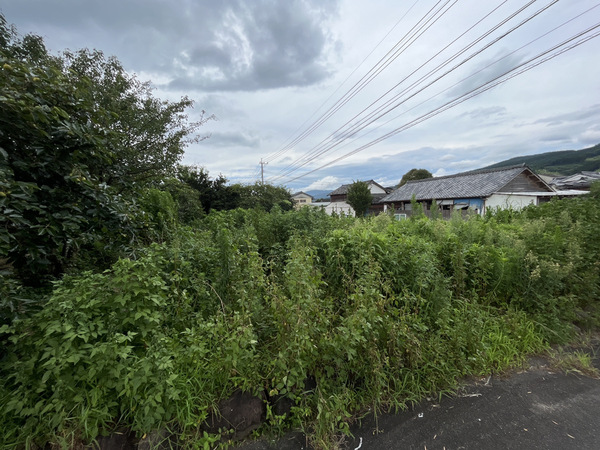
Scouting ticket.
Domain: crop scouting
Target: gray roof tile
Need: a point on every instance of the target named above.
(343, 189)
(463, 185)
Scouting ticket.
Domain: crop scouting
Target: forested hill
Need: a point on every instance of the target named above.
(565, 162)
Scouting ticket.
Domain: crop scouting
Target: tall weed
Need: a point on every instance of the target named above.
(335, 315)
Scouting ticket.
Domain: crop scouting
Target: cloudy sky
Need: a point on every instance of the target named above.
(329, 91)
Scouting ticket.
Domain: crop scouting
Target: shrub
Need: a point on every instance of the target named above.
(336, 314)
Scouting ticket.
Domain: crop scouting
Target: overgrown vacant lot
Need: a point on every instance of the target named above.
(336, 314)
(137, 294)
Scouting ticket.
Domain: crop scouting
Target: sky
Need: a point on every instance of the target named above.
(326, 92)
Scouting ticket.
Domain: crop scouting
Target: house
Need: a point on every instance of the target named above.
(338, 199)
(476, 191)
(582, 180)
(301, 199)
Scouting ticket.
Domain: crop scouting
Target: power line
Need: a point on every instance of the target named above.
(539, 59)
(486, 67)
(336, 139)
(286, 147)
(417, 31)
(382, 64)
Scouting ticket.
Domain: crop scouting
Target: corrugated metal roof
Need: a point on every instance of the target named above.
(476, 184)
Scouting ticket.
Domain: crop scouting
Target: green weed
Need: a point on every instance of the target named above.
(335, 315)
(577, 361)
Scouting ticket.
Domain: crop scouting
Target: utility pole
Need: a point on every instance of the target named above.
(262, 171)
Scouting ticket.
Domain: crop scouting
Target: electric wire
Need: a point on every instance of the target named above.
(382, 64)
(420, 30)
(413, 35)
(531, 63)
(484, 68)
(336, 139)
(286, 147)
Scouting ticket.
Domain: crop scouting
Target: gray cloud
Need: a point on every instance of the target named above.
(592, 112)
(486, 71)
(222, 106)
(485, 113)
(234, 139)
(389, 169)
(258, 47)
(236, 58)
(196, 44)
(208, 55)
(556, 138)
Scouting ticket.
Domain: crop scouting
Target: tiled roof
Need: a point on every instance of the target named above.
(578, 180)
(343, 189)
(476, 184)
(377, 197)
(301, 193)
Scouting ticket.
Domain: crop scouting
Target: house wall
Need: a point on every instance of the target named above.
(301, 200)
(510, 201)
(376, 189)
(445, 214)
(375, 209)
(476, 204)
(339, 208)
(339, 205)
(338, 198)
(524, 183)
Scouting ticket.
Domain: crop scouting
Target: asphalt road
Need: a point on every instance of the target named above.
(538, 408)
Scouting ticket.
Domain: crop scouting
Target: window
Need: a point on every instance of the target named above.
(400, 216)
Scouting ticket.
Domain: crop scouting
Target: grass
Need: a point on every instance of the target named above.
(377, 313)
(578, 357)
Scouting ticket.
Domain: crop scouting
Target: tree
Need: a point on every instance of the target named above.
(415, 174)
(359, 197)
(147, 135)
(196, 193)
(263, 196)
(50, 198)
(213, 193)
(76, 133)
(187, 199)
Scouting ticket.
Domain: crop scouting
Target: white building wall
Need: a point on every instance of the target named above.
(376, 189)
(339, 208)
(510, 201)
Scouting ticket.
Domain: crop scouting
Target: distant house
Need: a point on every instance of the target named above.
(301, 199)
(476, 191)
(581, 180)
(339, 197)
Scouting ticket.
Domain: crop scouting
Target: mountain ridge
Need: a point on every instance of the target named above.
(560, 162)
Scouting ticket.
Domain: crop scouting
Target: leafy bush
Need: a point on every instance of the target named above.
(335, 314)
(78, 138)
